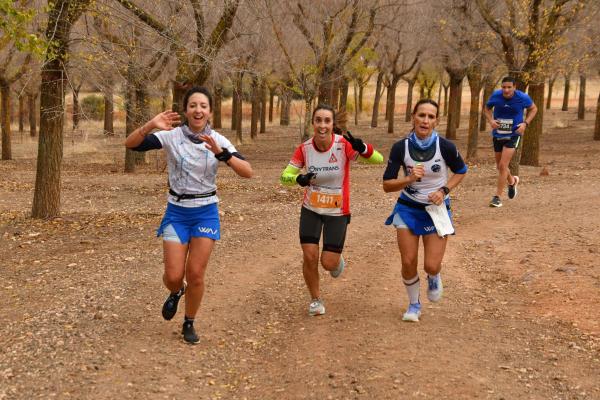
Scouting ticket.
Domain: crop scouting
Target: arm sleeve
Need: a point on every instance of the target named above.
(375, 157)
(289, 174)
(395, 161)
(150, 142)
(452, 157)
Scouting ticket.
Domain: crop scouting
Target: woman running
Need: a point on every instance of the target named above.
(190, 224)
(425, 158)
(326, 205)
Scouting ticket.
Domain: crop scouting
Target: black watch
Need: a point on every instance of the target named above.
(445, 190)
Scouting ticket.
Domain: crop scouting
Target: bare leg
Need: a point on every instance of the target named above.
(310, 268)
(502, 162)
(200, 250)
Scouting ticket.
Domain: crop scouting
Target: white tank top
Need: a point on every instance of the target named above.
(436, 174)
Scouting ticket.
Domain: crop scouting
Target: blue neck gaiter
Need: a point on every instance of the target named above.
(423, 144)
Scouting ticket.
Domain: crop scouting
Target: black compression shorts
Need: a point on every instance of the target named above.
(333, 227)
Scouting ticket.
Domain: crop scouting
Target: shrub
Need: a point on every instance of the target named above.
(92, 107)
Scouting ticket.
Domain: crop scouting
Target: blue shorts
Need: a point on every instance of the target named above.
(416, 219)
(511, 142)
(180, 224)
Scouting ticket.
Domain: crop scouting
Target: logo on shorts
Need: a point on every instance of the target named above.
(429, 228)
(204, 229)
(332, 159)
(436, 168)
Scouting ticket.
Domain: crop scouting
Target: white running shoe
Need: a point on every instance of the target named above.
(338, 271)
(316, 307)
(435, 289)
(413, 313)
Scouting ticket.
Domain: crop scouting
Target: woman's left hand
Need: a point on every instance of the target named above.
(436, 197)
(211, 144)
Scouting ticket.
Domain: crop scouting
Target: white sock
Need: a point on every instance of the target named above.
(412, 288)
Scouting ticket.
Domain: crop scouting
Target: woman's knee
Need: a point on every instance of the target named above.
(432, 268)
(172, 277)
(194, 275)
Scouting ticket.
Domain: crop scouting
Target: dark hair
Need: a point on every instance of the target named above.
(509, 79)
(322, 106)
(427, 101)
(196, 89)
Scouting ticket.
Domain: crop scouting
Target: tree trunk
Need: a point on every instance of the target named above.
(239, 109)
(356, 109)
(488, 89)
(271, 98)
(21, 114)
(109, 129)
(263, 107)
(46, 196)
(597, 125)
(409, 98)
(307, 123)
(439, 97)
(378, 93)
(329, 89)
(5, 120)
(454, 106)
(475, 84)
(234, 105)
(550, 89)
(565, 105)
(141, 115)
(531, 139)
(391, 103)
(361, 91)
(179, 90)
(255, 115)
(31, 99)
(344, 94)
(581, 106)
(129, 118)
(217, 122)
(284, 109)
(445, 99)
(76, 108)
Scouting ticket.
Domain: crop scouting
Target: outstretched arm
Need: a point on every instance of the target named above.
(164, 121)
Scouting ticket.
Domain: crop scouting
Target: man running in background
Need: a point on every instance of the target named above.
(508, 124)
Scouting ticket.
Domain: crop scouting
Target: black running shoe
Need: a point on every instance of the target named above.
(495, 202)
(170, 307)
(189, 333)
(512, 189)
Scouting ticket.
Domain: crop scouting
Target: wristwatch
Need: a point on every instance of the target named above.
(445, 189)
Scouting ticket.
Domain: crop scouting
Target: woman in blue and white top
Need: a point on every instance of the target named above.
(190, 224)
(426, 159)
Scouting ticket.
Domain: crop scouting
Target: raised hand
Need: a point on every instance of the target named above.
(165, 120)
(357, 144)
(211, 143)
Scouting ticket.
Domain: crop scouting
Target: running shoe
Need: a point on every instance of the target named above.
(316, 307)
(189, 333)
(338, 271)
(496, 202)
(434, 288)
(413, 313)
(170, 307)
(512, 189)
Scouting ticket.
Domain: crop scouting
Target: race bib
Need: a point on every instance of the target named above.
(325, 200)
(505, 126)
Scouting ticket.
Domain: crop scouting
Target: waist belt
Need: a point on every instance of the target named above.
(415, 205)
(186, 196)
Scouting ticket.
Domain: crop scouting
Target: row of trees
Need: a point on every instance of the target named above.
(313, 50)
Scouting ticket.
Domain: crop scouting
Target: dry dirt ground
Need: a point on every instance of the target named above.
(81, 294)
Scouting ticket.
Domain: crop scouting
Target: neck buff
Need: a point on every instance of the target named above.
(195, 137)
(422, 144)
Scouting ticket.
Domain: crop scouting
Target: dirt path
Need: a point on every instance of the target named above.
(80, 315)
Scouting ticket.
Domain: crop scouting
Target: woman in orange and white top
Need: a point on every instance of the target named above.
(326, 204)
